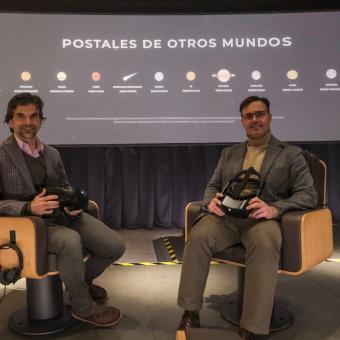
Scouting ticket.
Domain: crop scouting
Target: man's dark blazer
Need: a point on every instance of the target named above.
(15, 177)
(288, 183)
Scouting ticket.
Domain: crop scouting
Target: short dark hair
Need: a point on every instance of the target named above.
(251, 99)
(24, 98)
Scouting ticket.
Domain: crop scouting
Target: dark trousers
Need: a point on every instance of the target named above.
(262, 240)
(68, 242)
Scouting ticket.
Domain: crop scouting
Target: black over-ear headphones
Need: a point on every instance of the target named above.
(12, 275)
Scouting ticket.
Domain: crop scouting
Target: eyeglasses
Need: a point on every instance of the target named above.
(257, 114)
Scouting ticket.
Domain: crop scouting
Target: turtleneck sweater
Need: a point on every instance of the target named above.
(256, 150)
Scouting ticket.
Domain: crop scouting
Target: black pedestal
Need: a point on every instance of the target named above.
(45, 312)
(20, 323)
(281, 318)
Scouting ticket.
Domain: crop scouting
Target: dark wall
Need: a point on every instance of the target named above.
(162, 6)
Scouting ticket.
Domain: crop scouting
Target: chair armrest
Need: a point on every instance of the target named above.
(31, 238)
(192, 210)
(93, 209)
(307, 239)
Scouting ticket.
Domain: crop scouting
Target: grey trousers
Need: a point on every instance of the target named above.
(68, 242)
(262, 240)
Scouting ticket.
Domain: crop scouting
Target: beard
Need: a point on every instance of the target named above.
(256, 131)
(27, 132)
(256, 128)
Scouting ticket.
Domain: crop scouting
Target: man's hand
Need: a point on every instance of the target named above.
(72, 213)
(260, 209)
(214, 204)
(44, 205)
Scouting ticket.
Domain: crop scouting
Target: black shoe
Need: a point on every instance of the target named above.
(246, 335)
(190, 319)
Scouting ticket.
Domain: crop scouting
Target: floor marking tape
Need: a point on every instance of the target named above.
(130, 264)
(170, 250)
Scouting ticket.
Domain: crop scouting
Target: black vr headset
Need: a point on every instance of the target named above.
(69, 197)
(12, 275)
(233, 202)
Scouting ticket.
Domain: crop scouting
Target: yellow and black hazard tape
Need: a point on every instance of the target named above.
(129, 264)
(172, 255)
(166, 263)
(170, 250)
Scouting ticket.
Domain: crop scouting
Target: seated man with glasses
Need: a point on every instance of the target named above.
(287, 184)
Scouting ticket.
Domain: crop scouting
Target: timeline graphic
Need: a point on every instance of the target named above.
(224, 79)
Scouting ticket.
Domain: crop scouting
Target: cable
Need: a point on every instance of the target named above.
(3, 295)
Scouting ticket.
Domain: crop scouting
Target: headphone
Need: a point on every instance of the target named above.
(12, 275)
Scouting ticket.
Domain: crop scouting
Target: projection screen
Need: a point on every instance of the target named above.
(155, 79)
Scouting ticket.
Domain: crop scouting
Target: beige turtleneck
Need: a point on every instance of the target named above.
(256, 150)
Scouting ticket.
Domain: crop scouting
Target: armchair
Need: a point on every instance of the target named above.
(307, 241)
(45, 312)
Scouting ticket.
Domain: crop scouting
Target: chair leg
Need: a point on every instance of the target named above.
(231, 310)
(45, 312)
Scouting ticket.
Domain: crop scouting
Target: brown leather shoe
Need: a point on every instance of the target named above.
(190, 319)
(103, 316)
(98, 294)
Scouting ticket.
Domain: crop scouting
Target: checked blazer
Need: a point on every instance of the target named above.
(16, 180)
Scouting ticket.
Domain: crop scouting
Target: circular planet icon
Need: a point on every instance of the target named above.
(331, 73)
(159, 76)
(223, 75)
(292, 74)
(256, 75)
(191, 75)
(95, 76)
(61, 76)
(26, 76)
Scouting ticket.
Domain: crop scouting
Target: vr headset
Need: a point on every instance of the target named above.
(69, 197)
(233, 203)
